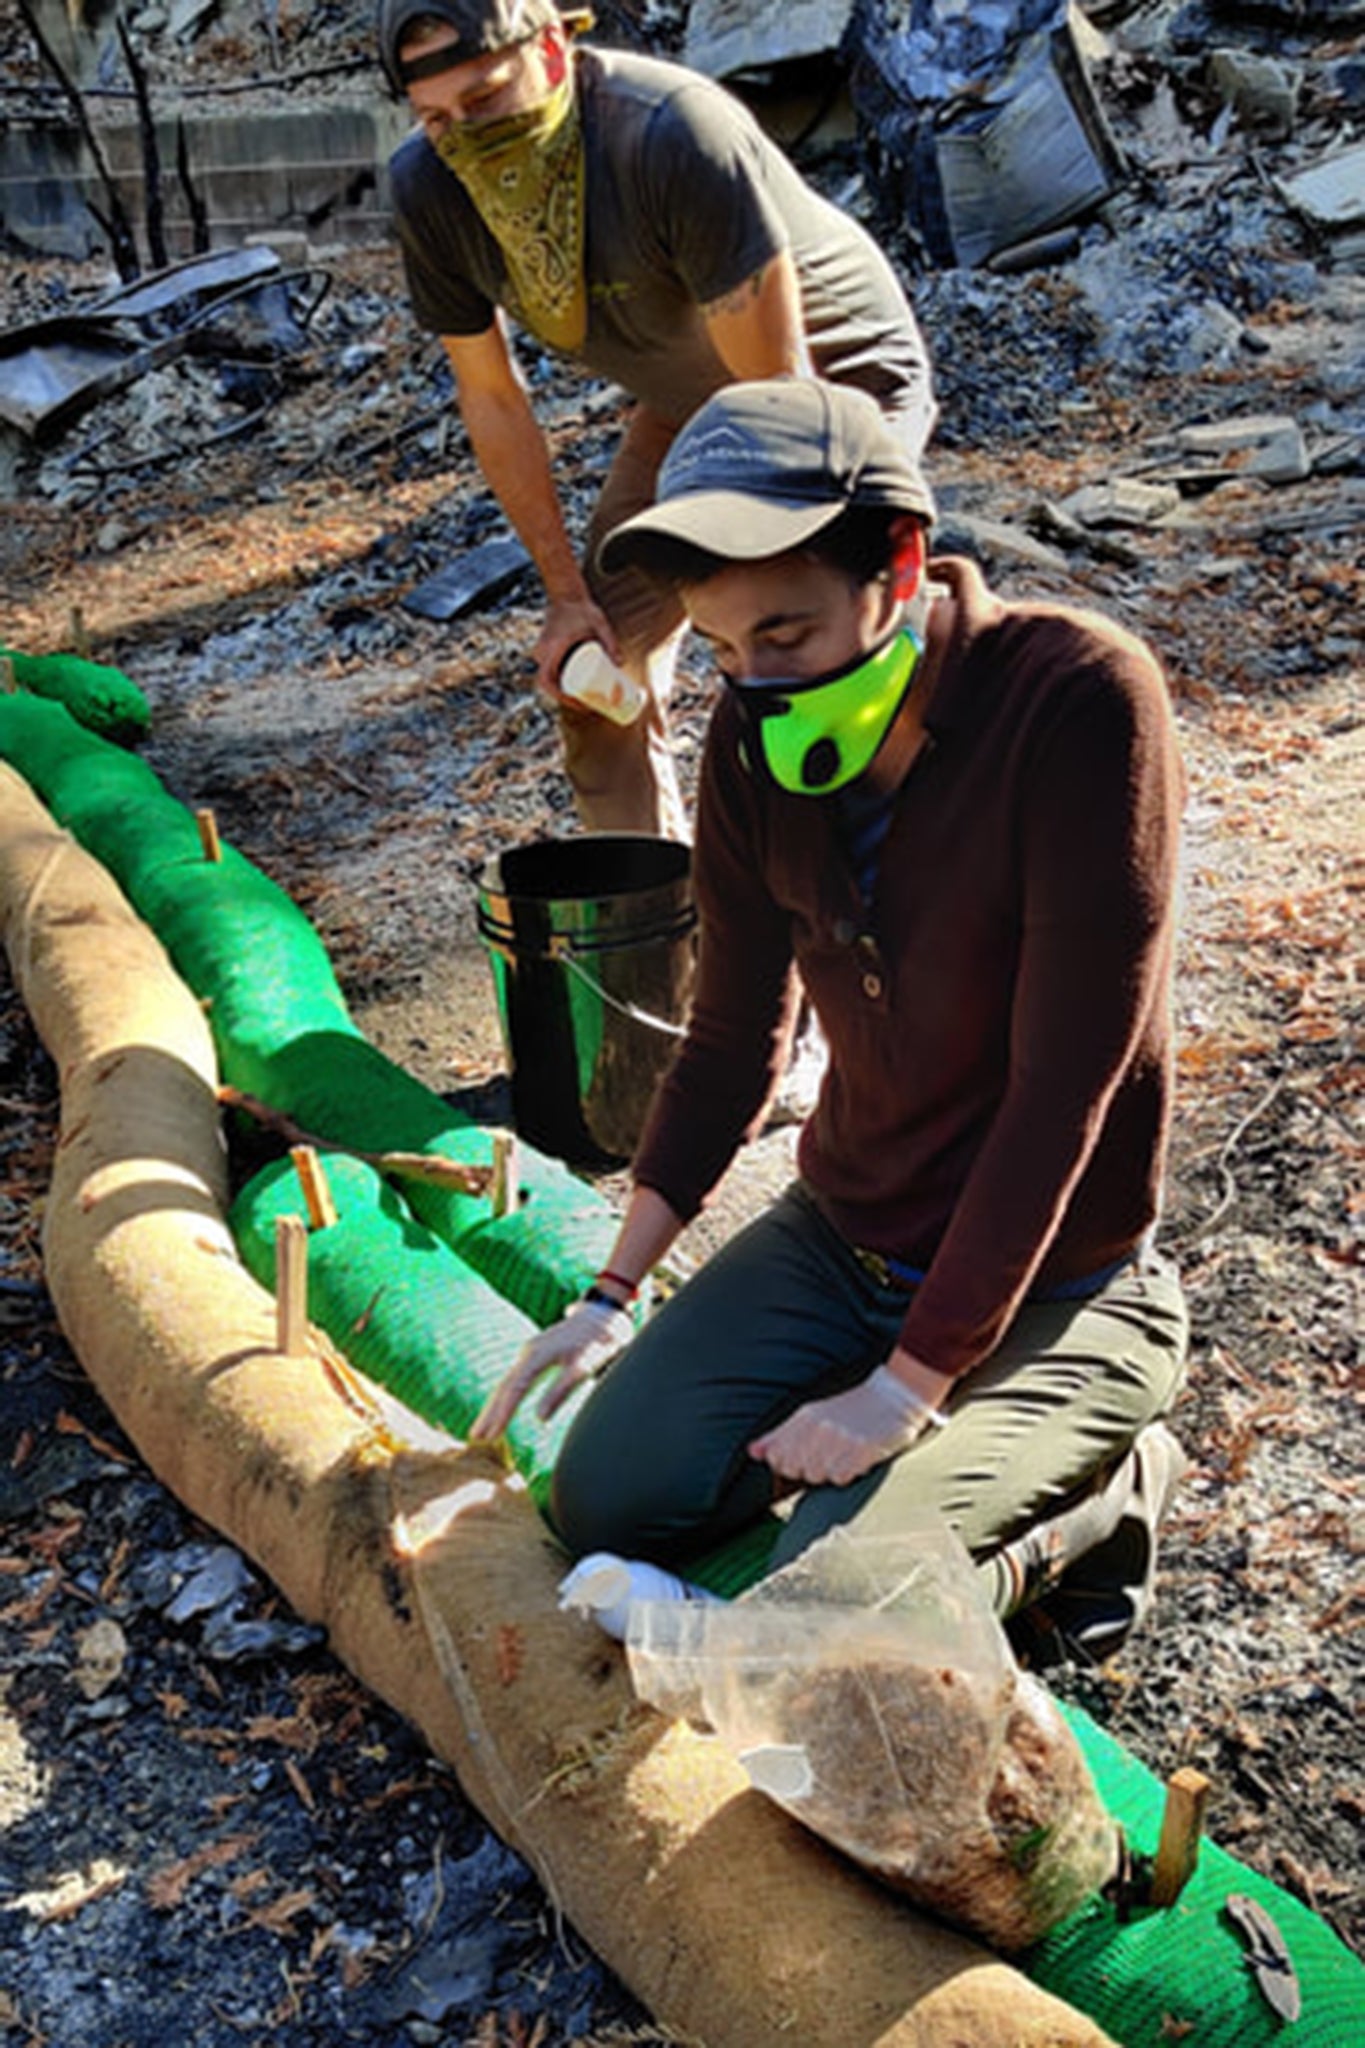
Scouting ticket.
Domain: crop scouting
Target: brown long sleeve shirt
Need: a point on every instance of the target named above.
(997, 1101)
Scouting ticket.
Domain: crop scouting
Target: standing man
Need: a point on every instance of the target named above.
(633, 217)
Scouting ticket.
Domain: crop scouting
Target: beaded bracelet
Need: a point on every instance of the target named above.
(618, 1280)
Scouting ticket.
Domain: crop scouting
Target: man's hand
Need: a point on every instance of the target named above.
(834, 1441)
(574, 1349)
(569, 620)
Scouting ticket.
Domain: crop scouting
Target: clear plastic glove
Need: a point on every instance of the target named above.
(834, 1441)
(574, 1349)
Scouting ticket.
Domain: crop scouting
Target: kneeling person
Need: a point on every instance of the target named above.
(957, 819)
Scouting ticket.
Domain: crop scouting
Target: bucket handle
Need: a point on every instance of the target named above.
(564, 954)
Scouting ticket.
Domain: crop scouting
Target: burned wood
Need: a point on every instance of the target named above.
(116, 225)
(154, 212)
(194, 199)
(432, 1169)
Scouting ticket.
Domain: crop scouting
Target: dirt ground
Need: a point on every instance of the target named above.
(234, 1843)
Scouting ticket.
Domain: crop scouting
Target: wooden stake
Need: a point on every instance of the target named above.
(322, 1210)
(432, 1169)
(506, 1172)
(9, 682)
(291, 1286)
(1182, 1823)
(80, 639)
(208, 835)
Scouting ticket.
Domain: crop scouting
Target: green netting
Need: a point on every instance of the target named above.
(401, 1306)
(103, 699)
(46, 736)
(280, 1023)
(1181, 1974)
(94, 783)
(739, 1563)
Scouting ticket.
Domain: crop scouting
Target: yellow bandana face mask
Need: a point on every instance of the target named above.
(524, 173)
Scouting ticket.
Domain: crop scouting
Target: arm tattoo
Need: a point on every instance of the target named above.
(738, 300)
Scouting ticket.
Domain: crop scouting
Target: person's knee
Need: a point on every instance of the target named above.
(596, 1502)
(602, 1498)
(598, 754)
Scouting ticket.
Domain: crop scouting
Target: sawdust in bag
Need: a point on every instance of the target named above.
(870, 1691)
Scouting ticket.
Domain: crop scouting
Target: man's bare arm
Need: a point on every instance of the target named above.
(511, 452)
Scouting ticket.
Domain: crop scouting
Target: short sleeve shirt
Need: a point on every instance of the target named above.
(686, 198)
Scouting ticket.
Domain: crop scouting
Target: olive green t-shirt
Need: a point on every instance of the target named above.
(686, 198)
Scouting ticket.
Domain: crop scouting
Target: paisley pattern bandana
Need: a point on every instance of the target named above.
(525, 175)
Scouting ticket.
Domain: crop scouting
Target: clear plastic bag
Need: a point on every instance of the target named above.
(869, 1690)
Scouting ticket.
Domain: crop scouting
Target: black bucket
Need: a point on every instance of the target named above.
(591, 943)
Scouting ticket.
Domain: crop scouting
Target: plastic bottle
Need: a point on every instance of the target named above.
(591, 678)
(606, 1587)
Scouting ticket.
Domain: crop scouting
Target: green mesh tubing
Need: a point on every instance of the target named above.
(102, 699)
(280, 1023)
(1180, 1974)
(395, 1292)
(401, 1305)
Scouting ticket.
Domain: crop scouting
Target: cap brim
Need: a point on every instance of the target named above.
(725, 523)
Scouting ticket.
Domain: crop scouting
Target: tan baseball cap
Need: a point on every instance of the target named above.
(762, 467)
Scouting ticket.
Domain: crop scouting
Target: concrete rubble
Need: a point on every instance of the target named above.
(1330, 196)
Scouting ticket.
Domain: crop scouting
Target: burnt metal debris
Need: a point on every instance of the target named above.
(1215, 180)
(982, 124)
(53, 370)
(1267, 1957)
(484, 573)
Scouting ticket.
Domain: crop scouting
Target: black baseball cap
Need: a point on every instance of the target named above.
(480, 27)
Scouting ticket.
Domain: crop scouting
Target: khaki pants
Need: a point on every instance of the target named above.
(623, 777)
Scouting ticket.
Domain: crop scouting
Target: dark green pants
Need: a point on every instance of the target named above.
(657, 1465)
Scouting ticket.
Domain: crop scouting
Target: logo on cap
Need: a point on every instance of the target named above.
(709, 459)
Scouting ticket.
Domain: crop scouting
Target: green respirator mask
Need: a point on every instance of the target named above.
(815, 737)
